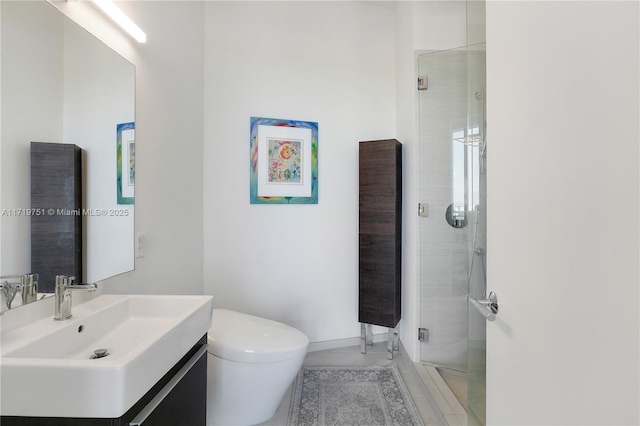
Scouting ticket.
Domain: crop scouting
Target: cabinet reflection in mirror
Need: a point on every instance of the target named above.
(62, 85)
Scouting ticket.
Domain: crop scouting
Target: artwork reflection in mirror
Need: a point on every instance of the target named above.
(126, 163)
(60, 84)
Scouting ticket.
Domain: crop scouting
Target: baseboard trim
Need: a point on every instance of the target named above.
(344, 343)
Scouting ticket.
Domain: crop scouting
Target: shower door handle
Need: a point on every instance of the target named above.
(488, 308)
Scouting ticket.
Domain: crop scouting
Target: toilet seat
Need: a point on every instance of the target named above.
(246, 338)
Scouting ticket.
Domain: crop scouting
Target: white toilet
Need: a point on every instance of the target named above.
(251, 363)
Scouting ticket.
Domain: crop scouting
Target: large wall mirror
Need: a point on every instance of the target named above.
(61, 84)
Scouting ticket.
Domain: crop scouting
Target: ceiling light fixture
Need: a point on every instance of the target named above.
(120, 18)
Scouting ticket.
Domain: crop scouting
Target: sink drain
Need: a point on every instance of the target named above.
(99, 353)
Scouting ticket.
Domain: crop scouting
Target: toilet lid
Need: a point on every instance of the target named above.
(245, 338)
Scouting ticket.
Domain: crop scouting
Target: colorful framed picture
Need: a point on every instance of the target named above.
(126, 164)
(283, 161)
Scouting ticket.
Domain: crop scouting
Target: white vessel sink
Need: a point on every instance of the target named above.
(47, 367)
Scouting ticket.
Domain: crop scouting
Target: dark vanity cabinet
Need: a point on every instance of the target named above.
(380, 236)
(56, 216)
(178, 399)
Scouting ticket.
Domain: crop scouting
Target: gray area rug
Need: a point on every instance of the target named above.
(355, 396)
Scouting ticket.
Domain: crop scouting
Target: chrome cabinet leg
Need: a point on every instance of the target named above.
(392, 343)
(366, 337)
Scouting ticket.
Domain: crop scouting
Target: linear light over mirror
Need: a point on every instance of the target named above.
(120, 18)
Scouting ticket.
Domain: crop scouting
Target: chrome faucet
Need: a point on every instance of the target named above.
(27, 286)
(7, 294)
(64, 286)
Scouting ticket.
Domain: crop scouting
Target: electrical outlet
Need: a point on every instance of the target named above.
(141, 244)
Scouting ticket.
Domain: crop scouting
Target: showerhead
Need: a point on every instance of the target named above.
(472, 140)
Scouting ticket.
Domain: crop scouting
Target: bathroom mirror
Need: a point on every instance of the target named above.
(61, 84)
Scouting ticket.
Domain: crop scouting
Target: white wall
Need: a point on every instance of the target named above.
(439, 24)
(329, 62)
(406, 122)
(563, 182)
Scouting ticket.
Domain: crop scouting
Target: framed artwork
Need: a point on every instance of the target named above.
(283, 161)
(126, 164)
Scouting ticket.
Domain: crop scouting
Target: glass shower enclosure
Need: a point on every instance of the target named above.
(452, 180)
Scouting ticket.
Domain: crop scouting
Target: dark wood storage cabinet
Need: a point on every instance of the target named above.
(56, 219)
(380, 234)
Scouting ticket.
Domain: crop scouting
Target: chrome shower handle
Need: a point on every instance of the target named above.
(488, 308)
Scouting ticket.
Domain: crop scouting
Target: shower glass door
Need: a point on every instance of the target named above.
(444, 249)
(477, 232)
(452, 154)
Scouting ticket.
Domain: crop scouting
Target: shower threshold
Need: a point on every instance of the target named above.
(448, 388)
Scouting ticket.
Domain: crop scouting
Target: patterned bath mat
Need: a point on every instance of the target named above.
(362, 396)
